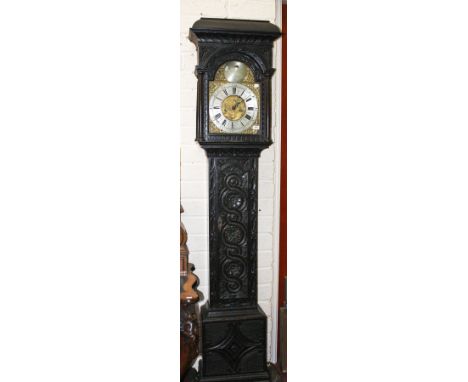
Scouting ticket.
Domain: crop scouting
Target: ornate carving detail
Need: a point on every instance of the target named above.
(189, 326)
(228, 39)
(189, 334)
(187, 279)
(233, 219)
(230, 152)
(235, 347)
(184, 251)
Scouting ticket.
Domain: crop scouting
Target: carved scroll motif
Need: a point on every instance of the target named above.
(234, 223)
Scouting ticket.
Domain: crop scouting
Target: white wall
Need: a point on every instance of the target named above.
(194, 170)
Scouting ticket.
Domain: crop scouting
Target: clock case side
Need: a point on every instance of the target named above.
(222, 40)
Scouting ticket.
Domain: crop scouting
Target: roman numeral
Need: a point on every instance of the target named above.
(217, 115)
(250, 108)
(216, 107)
(225, 91)
(224, 123)
(248, 99)
(248, 117)
(234, 90)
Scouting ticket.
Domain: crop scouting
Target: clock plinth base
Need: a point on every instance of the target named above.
(250, 377)
(273, 376)
(233, 345)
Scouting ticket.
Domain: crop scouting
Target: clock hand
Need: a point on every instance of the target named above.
(237, 104)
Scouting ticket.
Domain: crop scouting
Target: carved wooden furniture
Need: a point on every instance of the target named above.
(234, 327)
(189, 334)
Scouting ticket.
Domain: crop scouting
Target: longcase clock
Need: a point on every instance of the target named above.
(234, 74)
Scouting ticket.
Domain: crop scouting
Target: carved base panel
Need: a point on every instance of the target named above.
(251, 377)
(234, 345)
(271, 376)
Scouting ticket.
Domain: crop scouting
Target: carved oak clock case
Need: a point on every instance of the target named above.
(234, 74)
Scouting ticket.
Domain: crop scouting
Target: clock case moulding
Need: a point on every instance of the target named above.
(234, 327)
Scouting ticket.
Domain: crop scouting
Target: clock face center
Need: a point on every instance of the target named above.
(233, 108)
